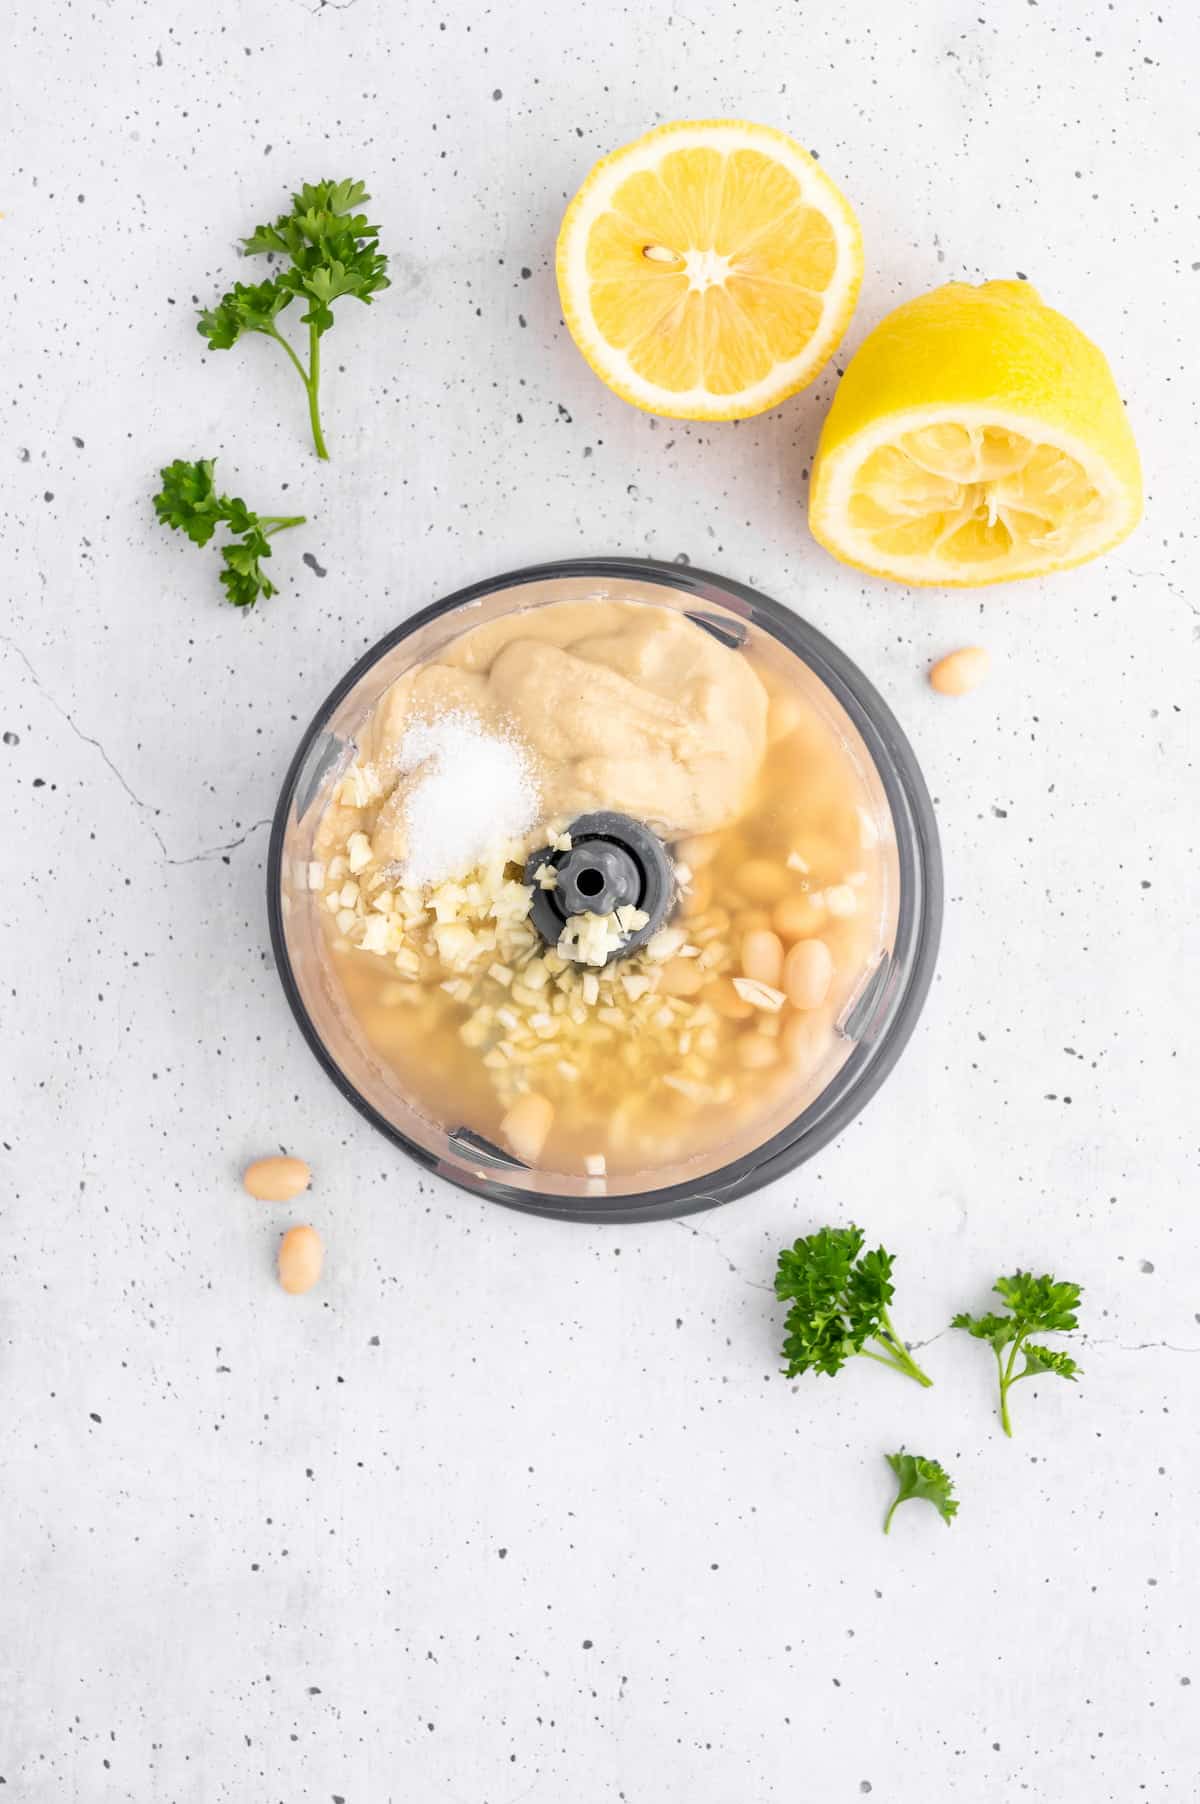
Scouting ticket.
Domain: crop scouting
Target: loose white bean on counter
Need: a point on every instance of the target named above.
(961, 671)
(301, 1255)
(808, 973)
(278, 1179)
(527, 1125)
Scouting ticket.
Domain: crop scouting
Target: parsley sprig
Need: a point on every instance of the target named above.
(839, 1305)
(1036, 1306)
(188, 501)
(920, 1477)
(332, 250)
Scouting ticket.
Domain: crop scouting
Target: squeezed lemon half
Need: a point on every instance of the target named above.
(976, 437)
(709, 269)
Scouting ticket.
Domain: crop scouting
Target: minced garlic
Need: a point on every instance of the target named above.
(534, 1013)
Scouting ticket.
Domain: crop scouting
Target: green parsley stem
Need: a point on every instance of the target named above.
(273, 523)
(314, 378)
(900, 1355)
(1006, 1380)
(887, 1521)
(310, 377)
(1004, 1421)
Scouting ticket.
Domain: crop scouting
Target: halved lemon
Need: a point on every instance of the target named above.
(708, 270)
(976, 437)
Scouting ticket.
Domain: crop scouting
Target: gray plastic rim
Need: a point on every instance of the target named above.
(918, 927)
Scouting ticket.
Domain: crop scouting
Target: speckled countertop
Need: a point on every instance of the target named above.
(513, 1510)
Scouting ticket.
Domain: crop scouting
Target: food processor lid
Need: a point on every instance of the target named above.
(881, 1020)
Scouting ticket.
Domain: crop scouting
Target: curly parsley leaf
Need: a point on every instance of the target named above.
(1048, 1359)
(332, 250)
(248, 307)
(839, 1297)
(1042, 1305)
(986, 1327)
(920, 1477)
(189, 502)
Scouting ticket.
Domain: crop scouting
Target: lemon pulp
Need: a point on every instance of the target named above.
(977, 437)
(709, 269)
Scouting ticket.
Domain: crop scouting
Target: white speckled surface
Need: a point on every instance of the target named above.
(512, 1510)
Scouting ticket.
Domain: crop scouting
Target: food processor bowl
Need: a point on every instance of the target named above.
(872, 1028)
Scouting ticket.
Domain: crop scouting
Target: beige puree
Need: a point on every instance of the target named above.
(629, 708)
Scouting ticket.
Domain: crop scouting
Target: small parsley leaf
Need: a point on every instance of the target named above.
(189, 502)
(920, 1477)
(1042, 1305)
(332, 251)
(839, 1297)
(1048, 1359)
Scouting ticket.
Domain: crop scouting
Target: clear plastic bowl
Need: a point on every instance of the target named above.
(873, 1028)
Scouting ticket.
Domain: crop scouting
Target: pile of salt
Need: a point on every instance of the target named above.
(473, 792)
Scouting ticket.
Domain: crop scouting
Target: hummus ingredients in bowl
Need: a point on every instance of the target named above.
(597, 1057)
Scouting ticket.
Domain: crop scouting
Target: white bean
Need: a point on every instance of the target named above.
(277, 1179)
(725, 999)
(527, 1125)
(681, 977)
(762, 957)
(301, 1256)
(808, 973)
(796, 917)
(961, 671)
(761, 881)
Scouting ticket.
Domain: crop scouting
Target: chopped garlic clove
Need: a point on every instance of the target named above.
(841, 900)
(759, 995)
(358, 849)
(375, 935)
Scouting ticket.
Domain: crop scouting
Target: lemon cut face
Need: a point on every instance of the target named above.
(709, 269)
(980, 500)
(1025, 465)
